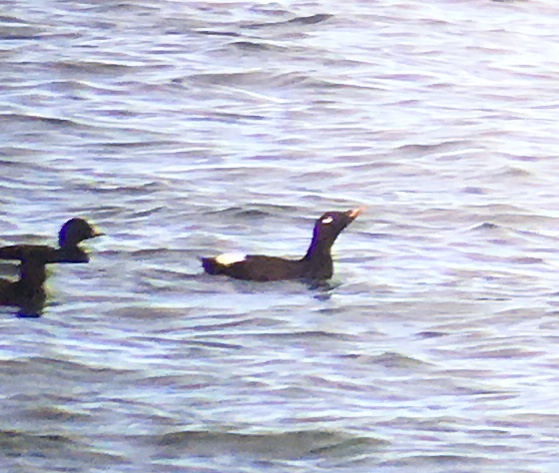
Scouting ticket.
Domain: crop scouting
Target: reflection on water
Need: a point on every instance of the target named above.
(231, 127)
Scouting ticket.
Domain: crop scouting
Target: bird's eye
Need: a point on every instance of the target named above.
(327, 220)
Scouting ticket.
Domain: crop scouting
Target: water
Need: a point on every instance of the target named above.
(184, 129)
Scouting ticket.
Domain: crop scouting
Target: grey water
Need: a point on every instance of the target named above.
(185, 129)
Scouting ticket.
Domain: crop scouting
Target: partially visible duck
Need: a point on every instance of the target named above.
(28, 292)
(71, 234)
(315, 265)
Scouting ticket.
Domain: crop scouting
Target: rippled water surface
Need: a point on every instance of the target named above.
(184, 129)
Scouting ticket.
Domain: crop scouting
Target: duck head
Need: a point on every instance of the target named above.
(328, 227)
(74, 231)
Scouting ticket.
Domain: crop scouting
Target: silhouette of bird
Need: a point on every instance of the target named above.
(315, 265)
(71, 234)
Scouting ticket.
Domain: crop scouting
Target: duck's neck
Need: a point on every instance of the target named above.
(318, 249)
(68, 246)
(72, 253)
(319, 259)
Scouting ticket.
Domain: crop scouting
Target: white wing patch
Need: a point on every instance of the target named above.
(327, 220)
(227, 259)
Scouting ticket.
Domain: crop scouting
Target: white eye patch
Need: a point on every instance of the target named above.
(327, 220)
(227, 259)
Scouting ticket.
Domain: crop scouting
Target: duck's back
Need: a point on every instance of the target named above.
(22, 252)
(44, 253)
(258, 268)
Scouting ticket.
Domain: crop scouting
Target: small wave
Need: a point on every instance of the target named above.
(63, 369)
(76, 86)
(252, 46)
(506, 353)
(228, 78)
(90, 67)
(527, 260)
(420, 150)
(10, 439)
(311, 334)
(249, 83)
(57, 448)
(138, 312)
(39, 414)
(12, 118)
(390, 360)
(474, 190)
(511, 171)
(10, 19)
(486, 226)
(303, 20)
(218, 33)
(19, 33)
(286, 445)
(253, 212)
(127, 190)
(435, 463)
(431, 334)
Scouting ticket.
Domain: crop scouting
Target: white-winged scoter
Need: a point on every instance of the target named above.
(71, 234)
(315, 265)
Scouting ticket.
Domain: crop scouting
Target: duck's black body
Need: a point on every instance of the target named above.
(28, 292)
(71, 234)
(315, 265)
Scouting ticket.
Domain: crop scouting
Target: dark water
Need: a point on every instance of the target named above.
(184, 129)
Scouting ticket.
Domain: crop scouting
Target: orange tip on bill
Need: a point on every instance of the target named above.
(355, 212)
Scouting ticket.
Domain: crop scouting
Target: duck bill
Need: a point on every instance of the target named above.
(355, 212)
